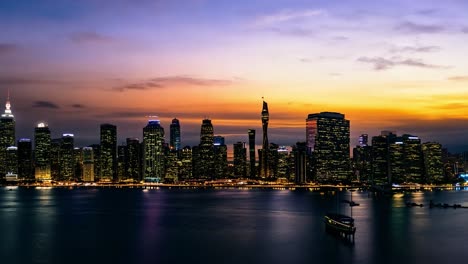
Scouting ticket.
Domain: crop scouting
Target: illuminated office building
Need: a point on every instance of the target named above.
(88, 164)
(133, 155)
(25, 159)
(205, 152)
(174, 141)
(186, 169)
(252, 168)
(42, 152)
(67, 158)
(121, 161)
(7, 135)
(240, 160)
(363, 140)
(108, 153)
(433, 164)
(300, 152)
(153, 157)
(273, 159)
(327, 136)
(282, 169)
(54, 155)
(12, 163)
(78, 156)
(220, 157)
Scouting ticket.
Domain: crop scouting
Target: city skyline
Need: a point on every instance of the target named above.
(391, 65)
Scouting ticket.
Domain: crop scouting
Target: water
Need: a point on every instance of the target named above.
(224, 226)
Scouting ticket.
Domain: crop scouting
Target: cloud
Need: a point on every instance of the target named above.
(295, 32)
(427, 12)
(415, 49)
(89, 37)
(414, 28)
(7, 48)
(163, 82)
(459, 78)
(287, 15)
(78, 106)
(380, 63)
(465, 30)
(45, 104)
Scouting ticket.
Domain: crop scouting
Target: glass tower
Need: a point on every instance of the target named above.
(264, 153)
(175, 135)
(153, 144)
(7, 136)
(253, 171)
(108, 153)
(42, 152)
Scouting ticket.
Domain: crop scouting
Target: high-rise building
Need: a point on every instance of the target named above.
(433, 164)
(173, 165)
(205, 152)
(96, 157)
(253, 169)
(133, 166)
(264, 153)
(175, 135)
(220, 157)
(282, 168)
(12, 163)
(300, 151)
(25, 162)
(108, 153)
(414, 160)
(121, 161)
(327, 136)
(153, 142)
(7, 135)
(78, 157)
(42, 152)
(273, 159)
(240, 160)
(67, 158)
(54, 155)
(186, 170)
(362, 163)
(88, 164)
(363, 140)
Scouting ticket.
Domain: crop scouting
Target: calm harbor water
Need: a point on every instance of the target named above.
(225, 226)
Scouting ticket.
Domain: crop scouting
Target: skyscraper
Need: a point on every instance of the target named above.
(7, 135)
(433, 164)
(186, 169)
(121, 161)
(88, 164)
(132, 166)
(363, 139)
(240, 160)
(25, 168)
(153, 142)
(265, 151)
(253, 170)
(300, 162)
(12, 163)
(205, 152)
(67, 158)
(220, 157)
(42, 152)
(175, 135)
(108, 153)
(54, 156)
(327, 136)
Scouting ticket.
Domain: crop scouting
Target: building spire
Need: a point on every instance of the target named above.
(8, 112)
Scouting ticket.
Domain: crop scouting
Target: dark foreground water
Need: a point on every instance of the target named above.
(224, 226)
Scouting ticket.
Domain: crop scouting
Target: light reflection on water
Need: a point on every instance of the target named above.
(228, 226)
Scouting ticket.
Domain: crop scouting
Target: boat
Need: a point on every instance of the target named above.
(340, 223)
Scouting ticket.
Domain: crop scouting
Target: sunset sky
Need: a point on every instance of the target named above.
(388, 65)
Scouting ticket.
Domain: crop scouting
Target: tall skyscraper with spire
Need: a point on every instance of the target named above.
(7, 135)
(175, 135)
(264, 153)
(153, 151)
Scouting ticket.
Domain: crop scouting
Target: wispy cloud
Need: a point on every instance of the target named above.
(45, 104)
(163, 82)
(465, 30)
(459, 78)
(414, 28)
(287, 15)
(295, 31)
(7, 48)
(380, 63)
(89, 37)
(414, 49)
(79, 106)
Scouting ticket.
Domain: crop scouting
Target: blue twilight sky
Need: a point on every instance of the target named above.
(388, 65)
